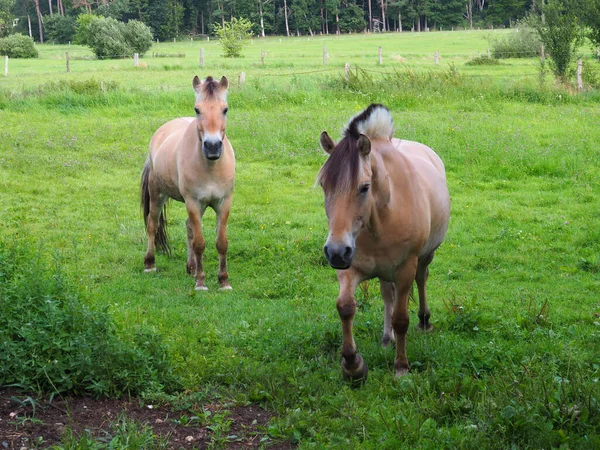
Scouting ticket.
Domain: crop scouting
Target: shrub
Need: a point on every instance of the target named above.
(233, 36)
(352, 19)
(106, 39)
(51, 342)
(82, 29)
(483, 61)
(110, 38)
(18, 46)
(59, 29)
(561, 33)
(522, 43)
(138, 36)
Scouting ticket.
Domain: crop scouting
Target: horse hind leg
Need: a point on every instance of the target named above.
(388, 292)
(222, 243)
(421, 279)
(153, 218)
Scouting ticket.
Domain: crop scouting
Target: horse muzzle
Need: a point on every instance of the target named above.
(339, 256)
(212, 149)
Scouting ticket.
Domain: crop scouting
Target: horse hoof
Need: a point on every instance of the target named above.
(358, 375)
(387, 338)
(428, 328)
(401, 371)
(201, 288)
(150, 269)
(227, 287)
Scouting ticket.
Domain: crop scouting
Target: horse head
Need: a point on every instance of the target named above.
(346, 182)
(211, 114)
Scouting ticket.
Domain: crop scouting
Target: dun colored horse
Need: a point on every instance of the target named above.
(388, 208)
(191, 161)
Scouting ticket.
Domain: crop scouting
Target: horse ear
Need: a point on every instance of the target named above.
(364, 145)
(224, 83)
(196, 83)
(327, 143)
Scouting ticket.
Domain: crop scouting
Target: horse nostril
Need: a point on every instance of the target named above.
(348, 253)
(326, 251)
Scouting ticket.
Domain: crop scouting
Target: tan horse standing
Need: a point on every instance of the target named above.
(191, 161)
(388, 209)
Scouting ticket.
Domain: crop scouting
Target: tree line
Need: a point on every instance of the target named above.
(168, 19)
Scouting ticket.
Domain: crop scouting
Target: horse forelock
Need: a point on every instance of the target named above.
(339, 174)
(375, 122)
(211, 90)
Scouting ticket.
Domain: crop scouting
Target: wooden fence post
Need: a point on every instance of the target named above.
(543, 56)
(68, 59)
(6, 66)
(262, 57)
(436, 57)
(489, 54)
(202, 57)
(346, 71)
(380, 55)
(136, 59)
(241, 79)
(579, 72)
(325, 56)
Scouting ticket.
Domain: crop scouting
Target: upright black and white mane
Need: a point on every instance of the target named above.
(340, 171)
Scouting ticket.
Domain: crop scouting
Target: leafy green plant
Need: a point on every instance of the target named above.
(18, 46)
(51, 342)
(110, 39)
(233, 36)
(483, 61)
(523, 42)
(561, 33)
(60, 29)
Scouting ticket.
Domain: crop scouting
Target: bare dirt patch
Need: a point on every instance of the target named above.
(23, 425)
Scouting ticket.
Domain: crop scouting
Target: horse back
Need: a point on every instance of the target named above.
(425, 171)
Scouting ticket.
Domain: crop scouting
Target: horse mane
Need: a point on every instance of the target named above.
(211, 89)
(339, 174)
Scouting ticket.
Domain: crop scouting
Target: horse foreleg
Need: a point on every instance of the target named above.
(421, 278)
(388, 292)
(222, 216)
(191, 260)
(353, 366)
(198, 242)
(400, 320)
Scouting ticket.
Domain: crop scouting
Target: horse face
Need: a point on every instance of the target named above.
(348, 211)
(211, 114)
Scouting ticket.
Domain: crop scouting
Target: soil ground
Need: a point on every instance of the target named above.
(24, 426)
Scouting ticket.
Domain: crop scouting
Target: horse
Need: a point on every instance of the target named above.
(387, 207)
(191, 161)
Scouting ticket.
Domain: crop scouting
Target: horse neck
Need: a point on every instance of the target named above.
(380, 181)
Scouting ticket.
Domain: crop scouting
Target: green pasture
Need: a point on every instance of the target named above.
(514, 360)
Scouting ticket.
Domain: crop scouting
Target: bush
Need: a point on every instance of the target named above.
(561, 33)
(110, 38)
(59, 29)
(51, 342)
(18, 46)
(483, 61)
(82, 29)
(522, 43)
(138, 36)
(234, 36)
(352, 19)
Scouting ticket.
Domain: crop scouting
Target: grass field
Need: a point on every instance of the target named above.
(515, 358)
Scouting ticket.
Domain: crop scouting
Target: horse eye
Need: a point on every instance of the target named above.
(364, 188)
(225, 111)
(197, 111)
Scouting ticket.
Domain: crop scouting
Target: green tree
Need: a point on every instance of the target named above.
(18, 46)
(82, 29)
(6, 16)
(233, 36)
(60, 29)
(560, 32)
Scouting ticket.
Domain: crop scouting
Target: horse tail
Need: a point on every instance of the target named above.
(161, 239)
